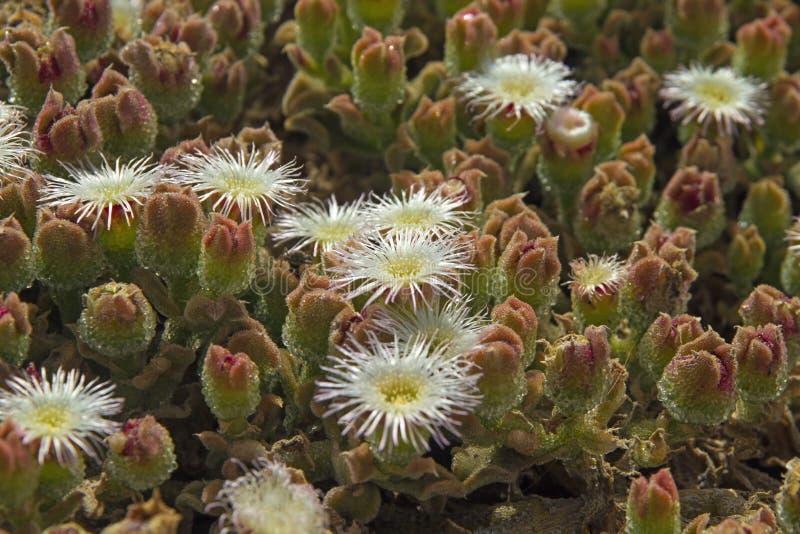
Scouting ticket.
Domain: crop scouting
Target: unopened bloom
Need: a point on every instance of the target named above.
(322, 226)
(270, 499)
(720, 97)
(418, 211)
(518, 85)
(101, 188)
(406, 263)
(249, 183)
(64, 411)
(400, 394)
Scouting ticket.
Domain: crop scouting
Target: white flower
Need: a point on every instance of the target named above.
(518, 84)
(409, 263)
(704, 95)
(399, 393)
(15, 142)
(595, 277)
(65, 412)
(418, 211)
(450, 324)
(324, 226)
(268, 500)
(102, 188)
(248, 183)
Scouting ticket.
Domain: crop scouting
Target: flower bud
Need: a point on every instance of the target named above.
(580, 15)
(761, 47)
(698, 385)
(37, 67)
(230, 384)
(117, 320)
(568, 144)
(507, 15)
(638, 155)
(87, 21)
(16, 269)
(664, 241)
(768, 305)
(530, 269)
(238, 25)
(313, 306)
(519, 317)
(18, 200)
(608, 217)
(18, 466)
(693, 199)
(745, 257)
(498, 358)
(606, 111)
(787, 502)
(494, 182)
(224, 84)
(385, 15)
(15, 329)
(713, 154)
(769, 208)
(273, 281)
(783, 111)
(127, 122)
(227, 256)
(657, 48)
(316, 27)
(166, 73)
(653, 505)
(469, 36)
(594, 290)
(762, 367)
(541, 42)
(65, 134)
(64, 254)
(169, 233)
(577, 370)
(696, 25)
(636, 89)
(481, 279)
(260, 348)
(433, 128)
(504, 217)
(379, 73)
(661, 341)
(142, 455)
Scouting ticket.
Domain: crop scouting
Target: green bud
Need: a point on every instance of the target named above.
(166, 73)
(606, 111)
(379, 73)
(745, 257)
(383, 15)
(238, 25)
(761, 47)
(18, 200)
(88, 21)
(696, 25)
(19, 468)
(142, 455)
(16, 269)
(653, 506)
(274, 280)
(507, 15)
(762, 366)
(260, 348)
(608, 217)
(469, 36)
(580, 15)
(316, 27)
(658, 49)
(768, 206)
(224, 84)
(662, 340)
(578, 371)
(712, 154)
(698, 385)
(639, 155)
(530, 269)
(15, 329)
(227, 256)
(433, 129)
(64, 254)
(693, 199)
(117, 321)
(783, 112)
(787, 502)
(636, 89)
(230, 384)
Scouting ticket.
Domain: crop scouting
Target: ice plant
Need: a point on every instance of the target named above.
(64, 411)
(248, 183)
(720, 97)
(518, 85)
(319, 225)
(270, 498)
(409, 264)
(417, 211)
(101, 188)
(594, 286)
(398, 395)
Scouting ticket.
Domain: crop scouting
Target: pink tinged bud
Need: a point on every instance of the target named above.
(238, 24)
(713, 154)
(379, 72)
(506, 14)
(745, 257)
(577, 370)
(662, 240)
(663, 339)
(230, 383)
(636, 88)
(433, 128)
(15, 256)
(768, 305)
(65, 256)
(519, 317)
(696, 24)
(698, 385)
(227, 256)
(88, 21)
(761, 47)
(469, 36)
(316, 24)
(63, 133)
(142, 454)
(224, 83)
(639, 156)
(657, 48)
(15, 329)
(693, 199)
(762, 366)
(531, 269)
(541, 42)
(19, 467)
(653, 505)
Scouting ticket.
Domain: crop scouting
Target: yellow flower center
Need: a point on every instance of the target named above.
(399, 390)
(51, 417)
(714, 93)
(403, 267)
